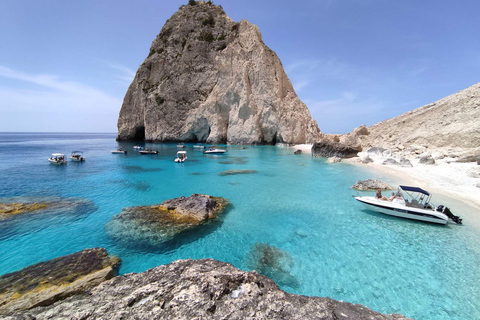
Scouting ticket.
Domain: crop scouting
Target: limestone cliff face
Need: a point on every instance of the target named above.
(450, 123)
(210, 79)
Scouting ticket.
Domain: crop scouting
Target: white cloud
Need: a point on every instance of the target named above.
(126, 74)
(39, 95)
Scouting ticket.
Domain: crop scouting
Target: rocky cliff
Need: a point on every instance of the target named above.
(450, 123)
(210, 79)
(195, 289)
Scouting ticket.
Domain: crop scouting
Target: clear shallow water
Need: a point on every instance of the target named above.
(295, 203)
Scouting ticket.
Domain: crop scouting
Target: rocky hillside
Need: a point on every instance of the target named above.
(210, 79)
(450, 123)
(195, 289)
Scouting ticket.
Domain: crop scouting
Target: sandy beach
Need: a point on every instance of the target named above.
(446, 180)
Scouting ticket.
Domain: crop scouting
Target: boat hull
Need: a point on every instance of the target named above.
(402, 211)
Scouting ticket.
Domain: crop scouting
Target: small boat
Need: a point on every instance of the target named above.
(181, 156)
(57, 158)
(199, 146)
(138, 148)
(214, 150)
(119, 151)
(76, 156)
(411, 203)
(148, 151)
(180, 145)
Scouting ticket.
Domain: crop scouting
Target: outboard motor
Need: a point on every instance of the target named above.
(449, 214)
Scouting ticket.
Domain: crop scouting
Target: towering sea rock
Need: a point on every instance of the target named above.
(210, 79)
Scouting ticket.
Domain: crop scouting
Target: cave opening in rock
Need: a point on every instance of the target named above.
(139, 133)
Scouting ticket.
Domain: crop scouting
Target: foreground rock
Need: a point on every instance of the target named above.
(371, 184)
(154, 225)
(47, 282)
(197, 289)
(210, 79)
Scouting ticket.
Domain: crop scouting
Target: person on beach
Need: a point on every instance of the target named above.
(380, 196)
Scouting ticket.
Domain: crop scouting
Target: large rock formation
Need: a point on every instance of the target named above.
(450, 123)
(210, 79)
(196, 289)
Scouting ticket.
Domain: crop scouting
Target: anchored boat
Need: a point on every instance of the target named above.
(76, 156)
(411, 203)
(181, 156)
(57, 158)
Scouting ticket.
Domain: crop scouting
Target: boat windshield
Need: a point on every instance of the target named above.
(414, 195)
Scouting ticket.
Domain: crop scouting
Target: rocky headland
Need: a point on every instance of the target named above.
(210, 79)
(184, 289)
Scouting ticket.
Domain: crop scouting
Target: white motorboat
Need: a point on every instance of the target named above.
(138, 148)
(148, 151)
(411, 203)
(57, 158)
(199, 146)
(181, 156)
(76, 156)
(214, 150)
(180, 145)
(119, 151)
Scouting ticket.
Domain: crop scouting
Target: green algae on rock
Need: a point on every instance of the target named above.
(154, 225)
(47, 282)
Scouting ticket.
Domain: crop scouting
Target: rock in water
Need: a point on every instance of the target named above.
(197, 289)
(210, 79)
(371, 184)
(50, 281)
(273, 263)
(153, 225)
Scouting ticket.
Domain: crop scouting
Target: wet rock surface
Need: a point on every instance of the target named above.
(50, 281)
(157, 224)
(197, 289)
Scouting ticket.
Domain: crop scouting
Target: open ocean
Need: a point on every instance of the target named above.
(295, 203)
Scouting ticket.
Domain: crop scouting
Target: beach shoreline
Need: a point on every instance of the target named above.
(447, 180)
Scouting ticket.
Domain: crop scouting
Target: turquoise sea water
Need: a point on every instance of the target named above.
(296, 203)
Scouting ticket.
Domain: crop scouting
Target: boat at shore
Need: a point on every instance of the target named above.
(214, 150)
(411, 203)
(57, 158)
(119, 151)
(76, 156)
(181, 156)
(148, 151)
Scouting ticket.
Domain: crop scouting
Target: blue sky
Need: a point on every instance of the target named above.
(65, 65)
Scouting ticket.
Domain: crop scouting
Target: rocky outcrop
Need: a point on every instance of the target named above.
(371, 184)
(153, 225)
(45, 283)
(450, 124)
(210, 79)
(196, 289)
(327, 148)
(14, 208)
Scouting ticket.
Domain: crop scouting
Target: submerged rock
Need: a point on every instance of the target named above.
(154, 225)
(197, 289)
(50, 281)
(11, 209)
(273, 263)
(371, 184)
(234, 172)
